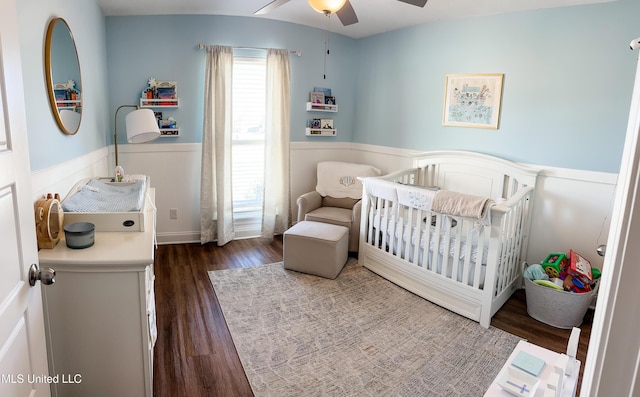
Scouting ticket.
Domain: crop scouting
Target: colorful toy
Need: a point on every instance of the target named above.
(574, 284)
(580, 268)
(554, 264)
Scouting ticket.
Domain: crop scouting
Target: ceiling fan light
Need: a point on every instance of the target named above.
(327, 6)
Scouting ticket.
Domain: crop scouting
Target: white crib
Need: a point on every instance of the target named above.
(398, 240)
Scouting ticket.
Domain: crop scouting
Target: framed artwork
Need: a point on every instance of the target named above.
(472, 100)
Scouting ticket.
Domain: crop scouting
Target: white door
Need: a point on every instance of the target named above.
(23, 356)
(613, 359)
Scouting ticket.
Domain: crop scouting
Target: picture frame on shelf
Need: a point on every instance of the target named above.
(472, 100)
(167, 90)
(317, 98)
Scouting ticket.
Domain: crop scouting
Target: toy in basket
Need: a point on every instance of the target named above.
(555, 264)
(574, 270)
(579, 276)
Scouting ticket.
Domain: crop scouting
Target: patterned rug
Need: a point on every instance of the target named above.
(358, 335)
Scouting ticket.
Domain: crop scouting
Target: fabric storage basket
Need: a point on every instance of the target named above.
(560, 309)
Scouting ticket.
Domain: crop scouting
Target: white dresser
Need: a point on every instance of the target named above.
(100, 314)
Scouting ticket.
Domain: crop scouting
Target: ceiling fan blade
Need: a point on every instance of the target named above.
(347, 15)
(419, 3)
(270, 7)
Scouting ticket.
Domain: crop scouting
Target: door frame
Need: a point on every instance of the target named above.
(611, 367)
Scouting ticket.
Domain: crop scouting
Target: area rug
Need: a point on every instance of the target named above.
(357, 335)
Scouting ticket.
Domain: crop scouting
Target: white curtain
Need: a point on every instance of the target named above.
(216, 205)
(275, 212)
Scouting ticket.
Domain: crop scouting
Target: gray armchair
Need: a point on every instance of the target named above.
(336, 199)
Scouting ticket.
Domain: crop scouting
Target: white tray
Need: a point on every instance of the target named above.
(518, 383)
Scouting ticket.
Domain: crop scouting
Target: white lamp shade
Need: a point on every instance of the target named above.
(142, 126)
(324, 6)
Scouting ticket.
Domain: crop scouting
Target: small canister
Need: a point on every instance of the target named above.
(79, 235)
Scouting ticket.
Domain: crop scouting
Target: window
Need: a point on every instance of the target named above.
(249, 110)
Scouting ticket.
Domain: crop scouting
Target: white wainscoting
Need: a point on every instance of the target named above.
(571, 210)
(61, 178)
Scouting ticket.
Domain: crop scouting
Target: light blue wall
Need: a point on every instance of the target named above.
(48, 146)
(164, 47)
(568, 76)
(566, 95)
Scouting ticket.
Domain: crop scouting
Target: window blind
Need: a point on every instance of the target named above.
(248, 140)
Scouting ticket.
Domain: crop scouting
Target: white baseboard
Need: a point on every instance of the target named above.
(164, 238)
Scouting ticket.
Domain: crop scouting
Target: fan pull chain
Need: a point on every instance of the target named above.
(326, 43)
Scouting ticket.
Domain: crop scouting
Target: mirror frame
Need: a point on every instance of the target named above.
(49, 75)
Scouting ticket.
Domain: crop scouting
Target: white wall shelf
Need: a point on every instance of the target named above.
(159, 103)
(68, 103)
(319, 107)
(169, 132)
(321, 132)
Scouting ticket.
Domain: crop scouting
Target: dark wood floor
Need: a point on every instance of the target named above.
(195, 356)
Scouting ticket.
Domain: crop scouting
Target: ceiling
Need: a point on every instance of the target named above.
(375, 16)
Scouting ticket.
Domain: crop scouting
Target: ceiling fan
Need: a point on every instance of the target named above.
(341, 8)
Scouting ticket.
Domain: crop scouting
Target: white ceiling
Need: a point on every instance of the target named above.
(375, 16)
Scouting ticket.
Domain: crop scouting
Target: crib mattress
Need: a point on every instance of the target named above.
(408, 234)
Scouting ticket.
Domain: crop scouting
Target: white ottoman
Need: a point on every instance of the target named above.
(316, 248)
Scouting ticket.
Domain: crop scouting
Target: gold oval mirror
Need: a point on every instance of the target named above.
(62, 68)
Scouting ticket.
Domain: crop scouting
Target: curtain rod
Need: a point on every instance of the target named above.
(296, 52)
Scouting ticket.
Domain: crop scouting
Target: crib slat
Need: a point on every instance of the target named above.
(456, 254)
(428, 235)
(394, 222)
(468, 250)
(371, 211)
(378, 222)
(482, 237)
(435, 251)
(400, 231)
(384, 229)
(446, 245)
(417, 236)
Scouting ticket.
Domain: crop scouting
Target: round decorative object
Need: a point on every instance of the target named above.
(49, 218)
(79, 235)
